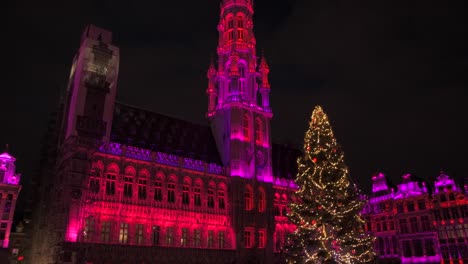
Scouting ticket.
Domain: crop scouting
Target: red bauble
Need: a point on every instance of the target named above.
(313, 222)
(319, 207)
(353, 251)
(314, 160)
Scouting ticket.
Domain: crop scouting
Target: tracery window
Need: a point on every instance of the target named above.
(139, 231)
(123, 233)
(105, 231)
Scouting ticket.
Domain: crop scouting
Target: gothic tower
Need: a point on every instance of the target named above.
(238, 96)
(92, 85)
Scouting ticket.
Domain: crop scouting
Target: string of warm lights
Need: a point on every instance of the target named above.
(328, 212)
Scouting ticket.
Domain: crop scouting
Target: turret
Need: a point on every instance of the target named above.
(264, 84)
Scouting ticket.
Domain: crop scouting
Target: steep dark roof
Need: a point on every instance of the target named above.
(144, 129)
(284, 161)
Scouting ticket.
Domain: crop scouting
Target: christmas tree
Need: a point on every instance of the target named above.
(327, 211)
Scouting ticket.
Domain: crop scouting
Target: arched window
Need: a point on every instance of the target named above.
(142, 182)
(210, 195)
(258, 131)
(261, 200)
(197, 192)
(158, 193)
(171, 186)
(240, 28)
(128, 182)
(186, 191)
(230, 28)
(242, 80)
(245, 126)
(221, 196)
(248, 198)
(111, 177)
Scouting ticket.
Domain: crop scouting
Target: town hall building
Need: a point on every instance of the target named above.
(126, 185)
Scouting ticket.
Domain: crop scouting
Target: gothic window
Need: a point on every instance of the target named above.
(261, 238)
(240, 34)
(248, 198)
(221, 199)
(142, 189)
(258, 131)
(248, 238)
(139, 230)
(210, 197)
(105, 231)
(240, 22)
(197, 195)
(110, 183)
(240, 28)
(158, 190)
(185, 194)
(283, 205)
(221, 239)
(171, 192)
(245, 126)
(127, 191)
(261, 200)
(210, 239)
(123, 233)
(88, 232)
(230, 29)
(184, 237)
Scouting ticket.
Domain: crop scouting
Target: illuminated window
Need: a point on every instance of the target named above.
(196, 238)
(94, 184)
(141, 189)
(123, 233)
(169, 236)
(248, 198)
(171, 192)
(158, 191)
(127, 191)
(183, 239)
(110, 184)
(156, 233)
(196, 196)
(139, 230)
(261, 239)
(248, 238)
(210, 198)
(261, 200)
(210, 238)
(221, 239)
(105, 231)
(185, 194)
(221, 201)
(88, 232)
(245, 126)
(258, 131)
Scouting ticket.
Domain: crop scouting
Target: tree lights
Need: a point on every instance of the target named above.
(327, 214)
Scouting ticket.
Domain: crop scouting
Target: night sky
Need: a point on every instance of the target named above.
(391, 75)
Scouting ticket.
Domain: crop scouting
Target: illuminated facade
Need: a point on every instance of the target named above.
(9, 190)
(133, 186)
(412, 226)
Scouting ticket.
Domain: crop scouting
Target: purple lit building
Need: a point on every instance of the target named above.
(126, 185)
(413, 226)
(9, 190)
